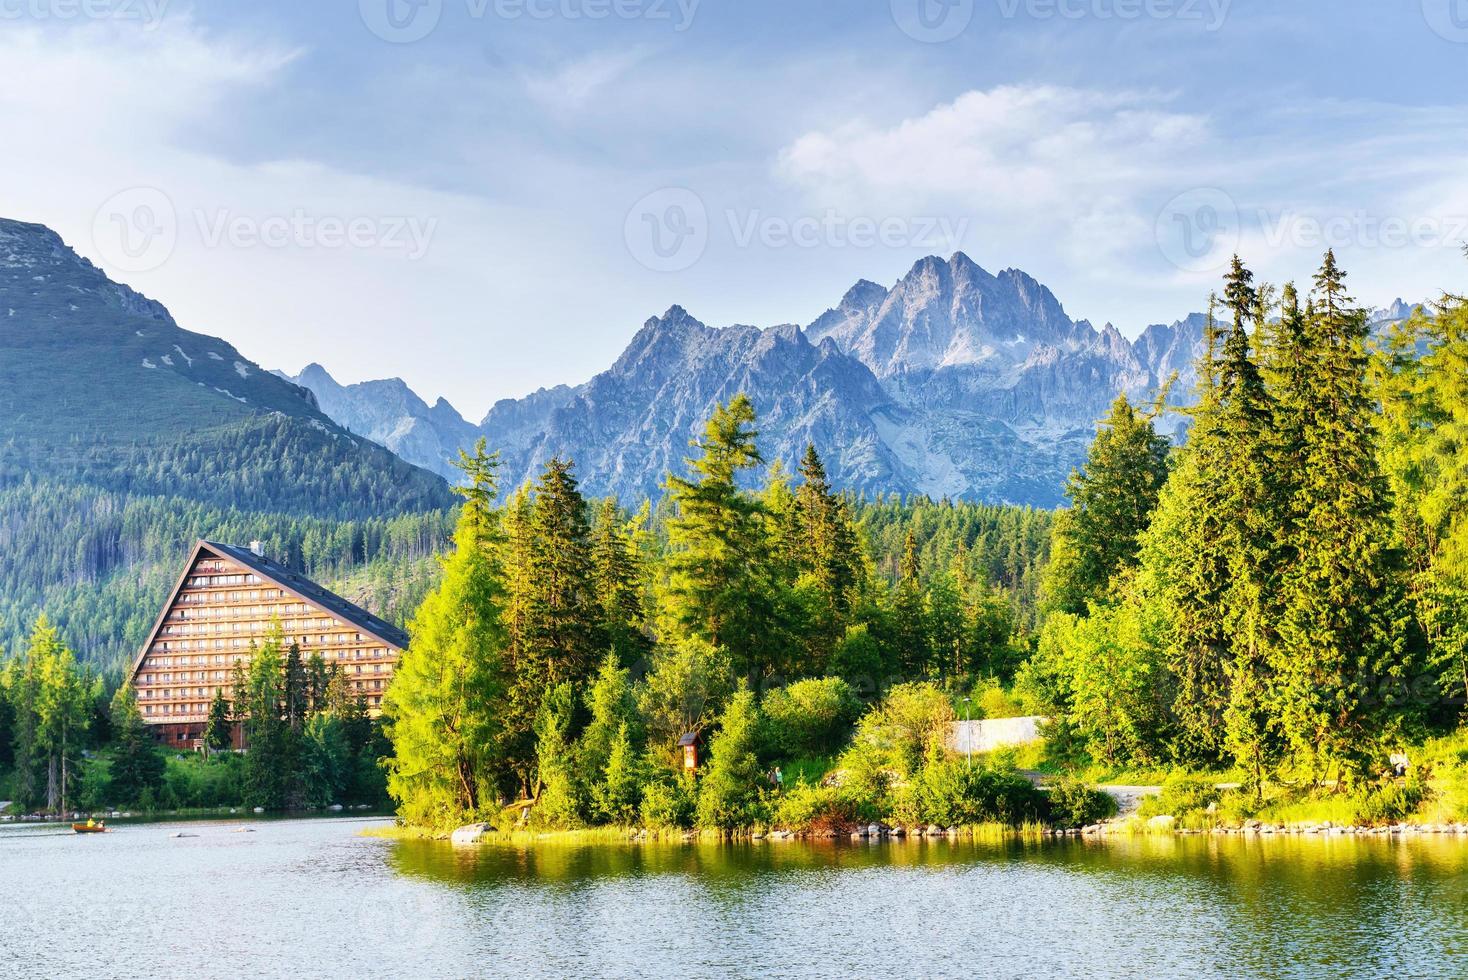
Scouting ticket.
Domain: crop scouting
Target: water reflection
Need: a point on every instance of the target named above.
(314, 898)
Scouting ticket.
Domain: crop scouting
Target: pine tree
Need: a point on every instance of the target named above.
(1246, 479)
(219, 734)
(136, 763)
(716, 587)
(1112, 498)
(559, 794)
(1183, 574)
(618, 793)
(1343, 627)
(617, 574)
(443, 708)
(557, 635)
(729, 794)
(909, 620)
(1422, 382)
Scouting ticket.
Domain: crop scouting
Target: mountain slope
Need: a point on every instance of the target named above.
(99, 385)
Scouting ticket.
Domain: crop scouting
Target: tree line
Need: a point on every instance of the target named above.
(570, 644)
(1285, 594)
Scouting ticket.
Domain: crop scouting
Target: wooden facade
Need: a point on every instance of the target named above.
(225, 604)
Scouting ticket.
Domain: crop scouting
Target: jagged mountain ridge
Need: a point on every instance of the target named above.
(954, 381)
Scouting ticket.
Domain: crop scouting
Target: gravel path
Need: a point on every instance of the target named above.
(1128, 798)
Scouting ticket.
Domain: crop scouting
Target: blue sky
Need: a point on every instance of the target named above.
(499, 203)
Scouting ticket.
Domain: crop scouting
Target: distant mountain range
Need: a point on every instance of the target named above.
(99, 385)
(953, 382)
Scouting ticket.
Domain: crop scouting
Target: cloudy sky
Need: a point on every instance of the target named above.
(488, 196)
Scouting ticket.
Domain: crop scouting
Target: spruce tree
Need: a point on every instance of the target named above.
(1343, 628)
(1112, 498)
(617, 574)
(717, 588)
(136, 763)
(218, 735)
(443, 708)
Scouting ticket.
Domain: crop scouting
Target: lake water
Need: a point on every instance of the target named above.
(308, 898)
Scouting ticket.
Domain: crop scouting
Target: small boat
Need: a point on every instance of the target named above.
(90, 827)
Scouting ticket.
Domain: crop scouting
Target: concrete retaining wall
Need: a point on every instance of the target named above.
(969, 737)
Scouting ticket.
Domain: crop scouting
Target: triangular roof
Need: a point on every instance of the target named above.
(292, 582)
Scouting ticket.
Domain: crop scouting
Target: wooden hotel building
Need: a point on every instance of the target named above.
(225, 603)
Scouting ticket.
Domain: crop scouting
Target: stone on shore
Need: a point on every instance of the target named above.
(471, 833)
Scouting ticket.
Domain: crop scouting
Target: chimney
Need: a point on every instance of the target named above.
(257, 548)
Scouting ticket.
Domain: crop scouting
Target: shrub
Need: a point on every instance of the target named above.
(1180, 796)
(992, 701)
(1391, 802)
(668, 805)
(729, 797)
(1075, 804)
(810, 717)
(822, 809)
(956, 793)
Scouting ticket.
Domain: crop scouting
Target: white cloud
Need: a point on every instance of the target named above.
(1074, 186)
(1011, 148)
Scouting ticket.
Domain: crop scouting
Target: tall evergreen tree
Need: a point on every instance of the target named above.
(1112, 498)
(136, 763)
(617, 574)
(1343, 627)
(557, 634)
(443, 707)
(716, 586)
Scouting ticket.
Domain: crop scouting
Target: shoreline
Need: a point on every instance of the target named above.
(475, 834)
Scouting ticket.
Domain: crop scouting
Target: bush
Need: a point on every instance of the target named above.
(1075, 804)
(809, 718)
(956, 793)
(668, 805)
(191, 781)
(729, 798)
(1391, 802)
(822, 810)
(992, 701)
(1181, 796)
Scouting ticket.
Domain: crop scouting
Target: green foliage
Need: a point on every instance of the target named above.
(1112, 498)
(617, 794)
(891, 739)
(51, 702)
(729, 794)
(669, 804)
(809, 717)
(717, 589)
(559, 803)
(443, 704)
(136, 764)
(685, 691)
(1075, 804)
(822, 810)
(1181, 796)
(956, 793)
